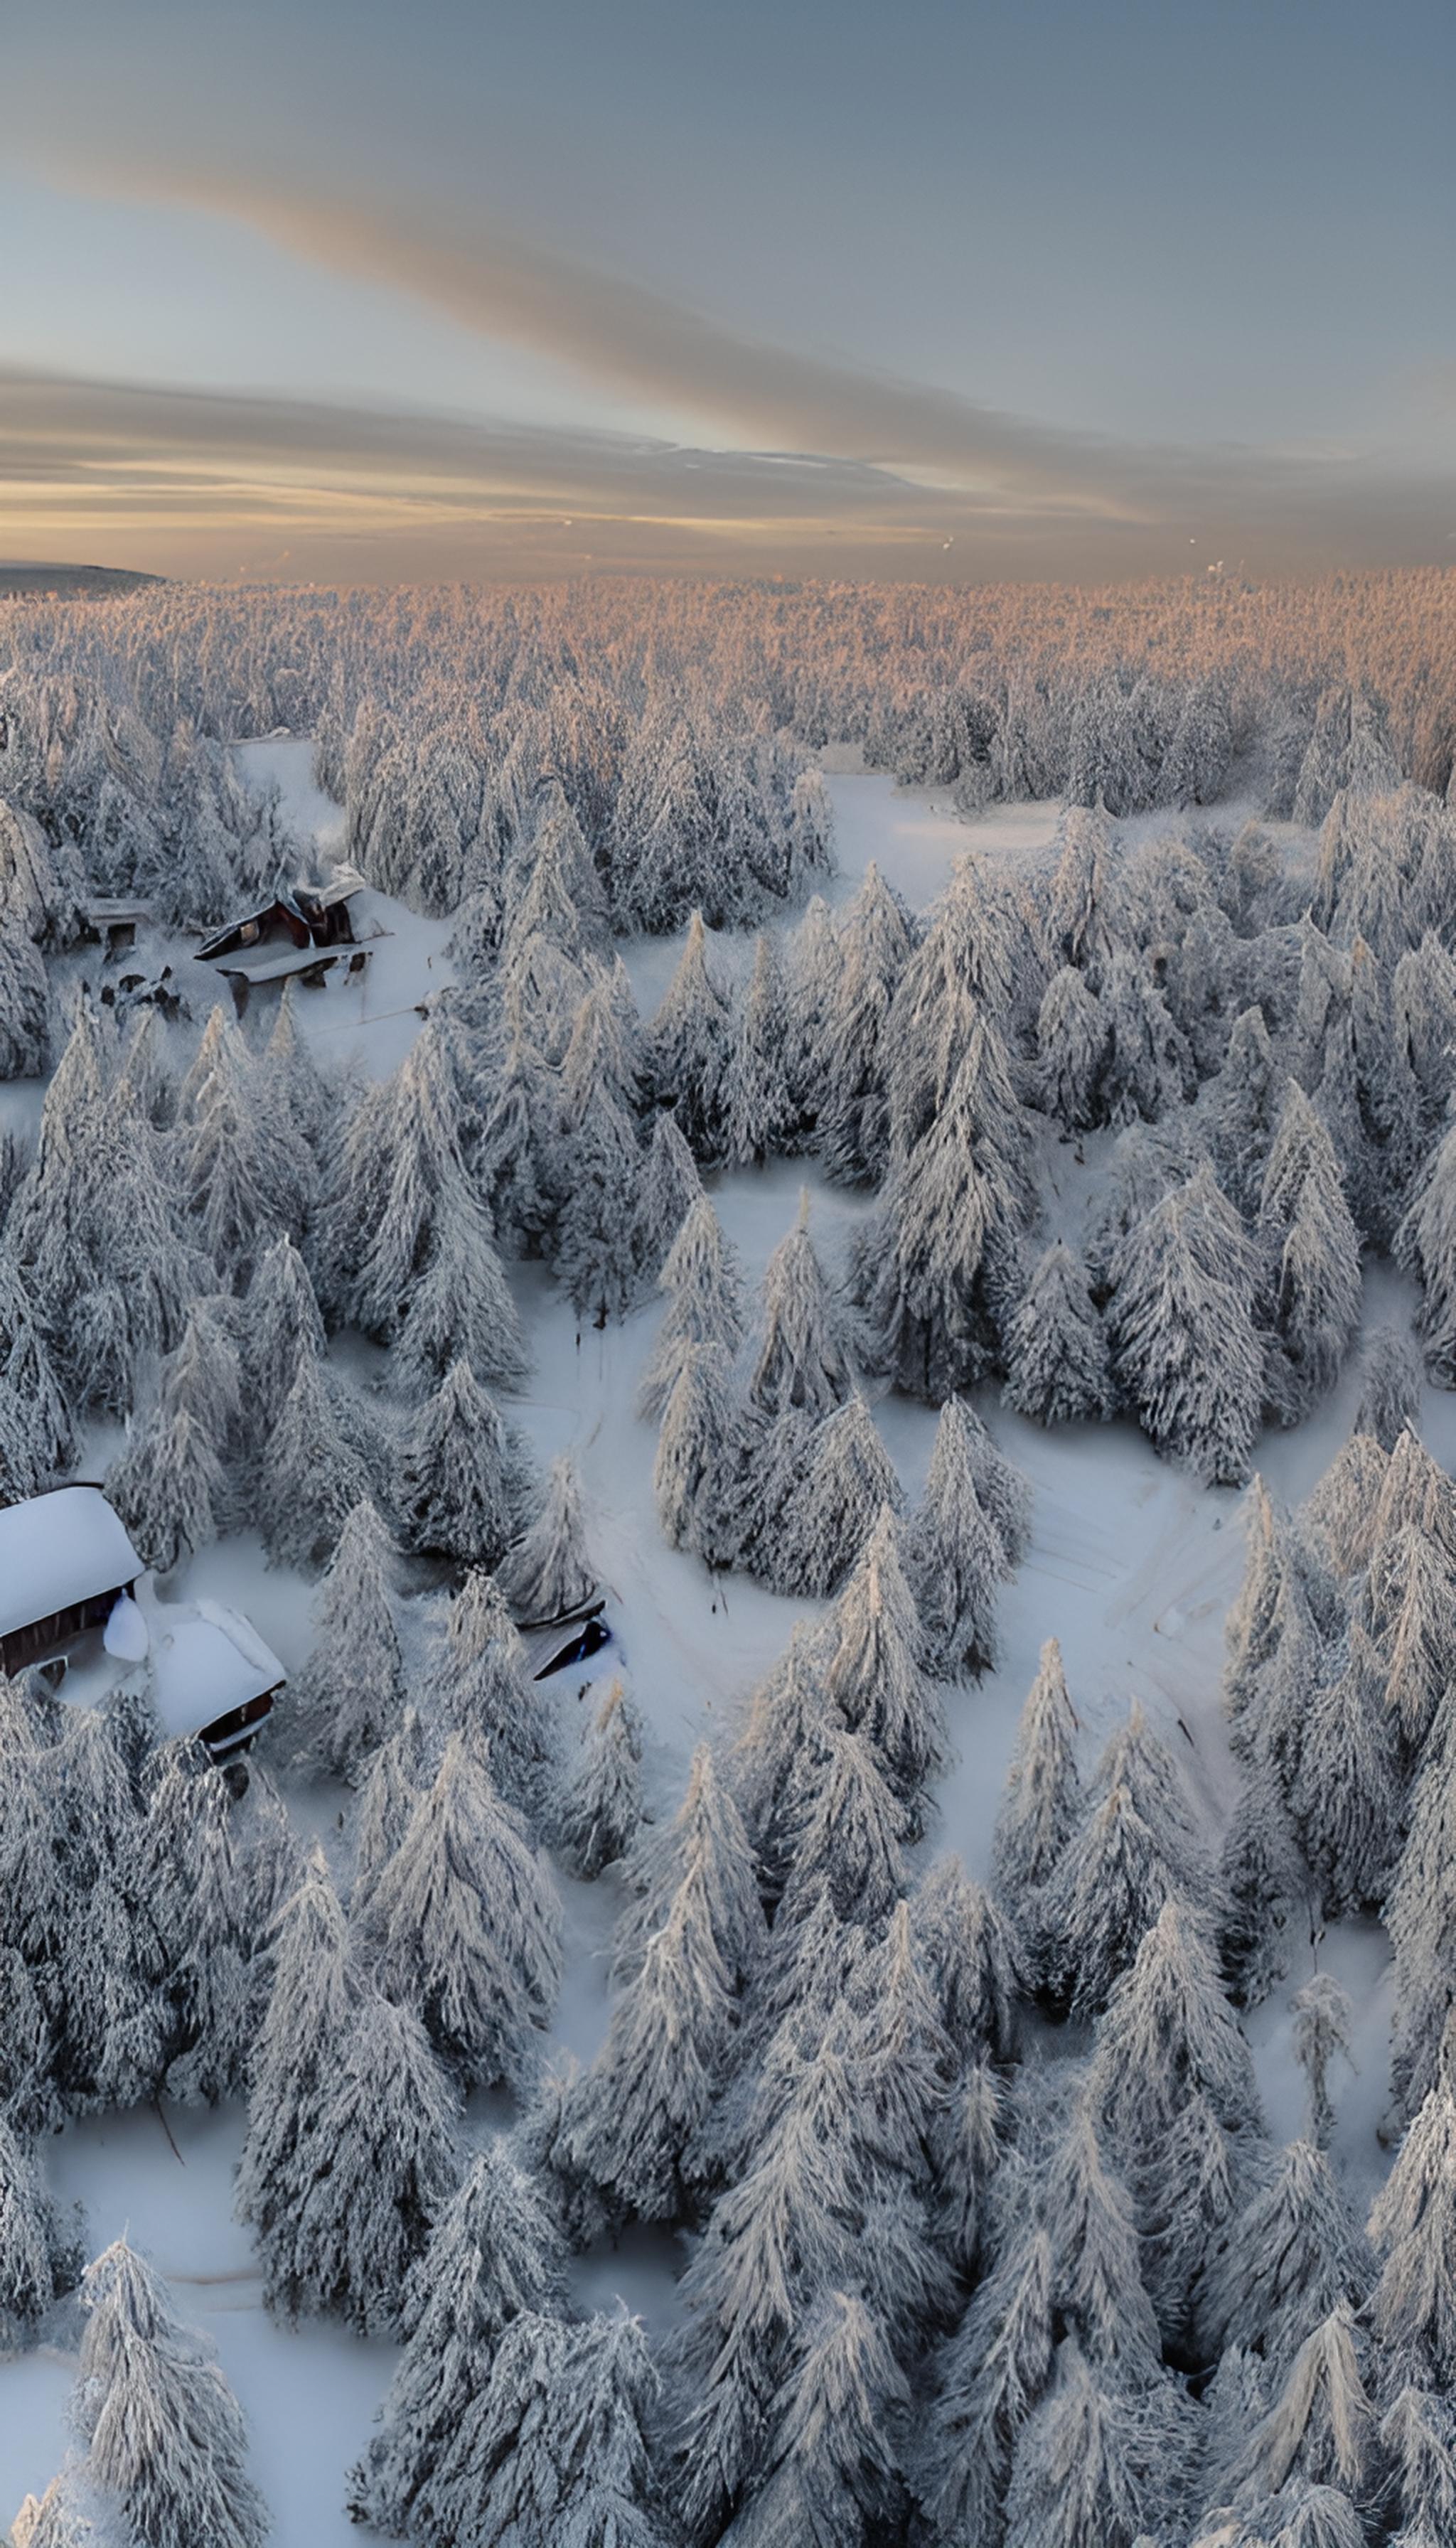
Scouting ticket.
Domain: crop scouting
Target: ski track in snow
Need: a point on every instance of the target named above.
(1131, 1566)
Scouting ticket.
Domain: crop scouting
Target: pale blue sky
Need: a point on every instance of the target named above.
(1222, 228)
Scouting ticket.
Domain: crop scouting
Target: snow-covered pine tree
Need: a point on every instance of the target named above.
(1390, 1388)
(461, 1310)
(955, 1553)
(666, 1190)
(386, 1799)
(972, 1960)
(696, 1463)
(1264, 1885)
(1291, 2254)
(832, 2458)
(705, 1851)
(250, 1176)
(990, 2372)
(553, 2445)
(374, 2163)
(1345, 1792)
(602, 1806)
(1098, 2467)
(850, 1480)
(688, 1046)
(700, 1278)
(462, 1925)
(1056, 1346)
(169, 1485)
(1073, 1037)
(38, 2257)
(1041, 1810)
(548, 1572)
(480, 1686)
(289, 1067)
(937, 1269)
(311, 1475)
(1412, 2229)
(346, 1701)
(1181, 1330)
(166, 2443)
(760, 1117)
(874, 1678)
(1242, 1109)
(459, 1478)
(282, 1331)
(315, 1993)
(494, 2255)
(1311, 1252)
(1425, 1244)
(1322, 2016)
(801, 1355)
(873, 942)
(596, 1215)
(1096, 2288)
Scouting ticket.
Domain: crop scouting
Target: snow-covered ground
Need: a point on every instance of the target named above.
(1132, 1567)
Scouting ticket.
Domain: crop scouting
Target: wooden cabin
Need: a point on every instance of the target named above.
(65, 1561)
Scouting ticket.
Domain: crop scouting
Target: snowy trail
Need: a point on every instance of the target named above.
(1132, 1567)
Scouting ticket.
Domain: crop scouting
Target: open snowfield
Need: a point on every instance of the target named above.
(1133, 1565)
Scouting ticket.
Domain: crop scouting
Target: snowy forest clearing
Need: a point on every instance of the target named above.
(1111, 1116)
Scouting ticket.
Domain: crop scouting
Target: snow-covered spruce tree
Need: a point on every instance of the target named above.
(788, 2232)
(1097, 2289)
(37, 1434)
(696, 1461)
(346, 1701)
(399, 1176)
(850, 1480)
(1412, 2229)
(1095, 2464)
(595, 1219)
(1148, 1067)
(1241, 1109)
(1181, 1330)
(1426, 1243)
(494, 2255)
(937, 1269)
(1417, 2437)
(1390, 1388)
(166, 2443)
(517, 1131)
(961, 974)
(667, 1189)
(290, 1069)
(373, 2165)
(1265, 1889)
(971, 1961)
(25, 1008)
(955, 1554)
(169, 1485)
(548, 1572)
(1322, 2429)
(1411, 1602)
(249, 1175)
(386, 1799)
(460, 1309)
(38, 2257)
(553, 2445)
(1041, 1810)
(1057, 1345)
(989, 2374)
(30, 2100)
(311, 2006)
(688, 1046)
(602, 1806)
(463, 1924)
(848, 1839)
(282, 1331)
(634, 2119)
(1322, 2016)
(701, 1280)
(705, 1852)
(874, 1678)
(801, 1355)
(760, 1117)
(874, 938)
(311, 1475)
(1166, 2035)
(1072, 1035)
(1285, 2259)
(1341, 1516)
(833, 2472)
(480, 1686)
(1119, 1871)
(459, 1481)
(218, 1964)
(1311, 1252)
(1345, 1792)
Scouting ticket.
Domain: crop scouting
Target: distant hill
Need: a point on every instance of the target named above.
(25, 576)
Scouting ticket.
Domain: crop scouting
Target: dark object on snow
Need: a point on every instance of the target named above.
(549, 1650)
(134, 991)
(309, 916)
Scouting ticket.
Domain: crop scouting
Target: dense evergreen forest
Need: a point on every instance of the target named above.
(980, 2234)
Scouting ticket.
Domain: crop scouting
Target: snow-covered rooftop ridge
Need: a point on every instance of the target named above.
(205, 1659)
(57, 1549)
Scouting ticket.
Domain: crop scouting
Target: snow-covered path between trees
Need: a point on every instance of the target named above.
(1131, 1566)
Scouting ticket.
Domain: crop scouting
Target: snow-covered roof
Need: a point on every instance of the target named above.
(207, 1660)
(59, 1549)
(277, 968)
